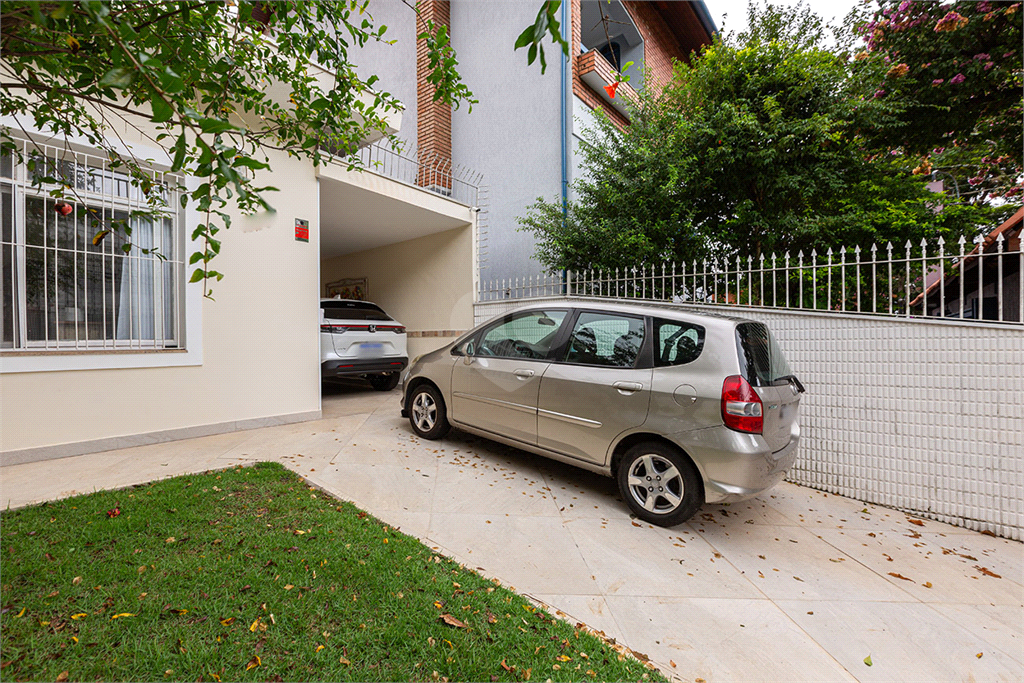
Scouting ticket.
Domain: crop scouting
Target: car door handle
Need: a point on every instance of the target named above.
(627, 388)
(523, 374)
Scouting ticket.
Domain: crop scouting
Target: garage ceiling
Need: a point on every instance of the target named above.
(364, 210)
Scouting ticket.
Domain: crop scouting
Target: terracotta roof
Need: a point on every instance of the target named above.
(1010, 229)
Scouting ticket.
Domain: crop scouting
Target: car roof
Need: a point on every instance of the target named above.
(662, 309)
(349, 303)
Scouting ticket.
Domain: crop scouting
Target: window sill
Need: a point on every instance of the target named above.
(18, 353)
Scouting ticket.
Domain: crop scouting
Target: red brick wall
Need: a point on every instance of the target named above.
(433, 119)
(660, 46)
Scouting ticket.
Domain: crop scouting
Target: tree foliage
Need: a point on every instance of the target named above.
(758, 146)
(223, 83)
(955, 71)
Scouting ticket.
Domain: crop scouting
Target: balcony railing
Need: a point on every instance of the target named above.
(428, 171)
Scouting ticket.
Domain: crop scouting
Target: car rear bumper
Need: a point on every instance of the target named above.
(354, 367)
(736, 466)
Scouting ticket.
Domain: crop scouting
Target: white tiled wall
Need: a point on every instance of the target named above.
(923, 416)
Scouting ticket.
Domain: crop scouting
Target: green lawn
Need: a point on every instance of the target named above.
(248, 574)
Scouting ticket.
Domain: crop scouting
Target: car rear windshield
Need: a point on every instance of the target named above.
(353, 311)
(761, 359)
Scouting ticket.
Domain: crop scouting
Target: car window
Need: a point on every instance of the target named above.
(761, 357)
(678, 342)
(605, 339)
(525, 335)
(361, 312)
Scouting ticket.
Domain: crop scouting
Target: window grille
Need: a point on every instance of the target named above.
(62, 292)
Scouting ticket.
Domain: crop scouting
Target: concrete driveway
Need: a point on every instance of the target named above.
(795, 585)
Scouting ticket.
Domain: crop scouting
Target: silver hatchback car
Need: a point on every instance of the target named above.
(681, 408)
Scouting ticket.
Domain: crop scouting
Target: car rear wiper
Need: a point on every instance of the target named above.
(791, 379)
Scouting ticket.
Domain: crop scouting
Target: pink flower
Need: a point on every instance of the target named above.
(904, 6)
(984, 7)
(989, 65)
(938, 81)
(958, 79)
(976, 180)
(879, 93)
(1009, 54)
(982, 56)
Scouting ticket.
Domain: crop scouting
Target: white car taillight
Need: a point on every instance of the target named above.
(741, 406)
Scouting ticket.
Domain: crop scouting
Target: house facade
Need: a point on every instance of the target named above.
(103, 349)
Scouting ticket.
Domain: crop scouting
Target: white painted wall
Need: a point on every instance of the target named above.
(925, 416)
(259, 342)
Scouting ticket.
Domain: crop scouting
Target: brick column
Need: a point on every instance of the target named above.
(433, 119)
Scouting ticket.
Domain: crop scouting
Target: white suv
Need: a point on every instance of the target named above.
(359, 340)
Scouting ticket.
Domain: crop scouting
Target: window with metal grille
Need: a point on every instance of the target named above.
(61, 291)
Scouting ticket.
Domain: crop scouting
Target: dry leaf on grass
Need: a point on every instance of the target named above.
(253, 663)
(451, 621)
(62, 676)
(227, 622)
(505, 666)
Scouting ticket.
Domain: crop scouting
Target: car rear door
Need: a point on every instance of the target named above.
(598, 388)
(495, 387)
(766, 369)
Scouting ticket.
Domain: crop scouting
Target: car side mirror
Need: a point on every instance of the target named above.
(468, 352)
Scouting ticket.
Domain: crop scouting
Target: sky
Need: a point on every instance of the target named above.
(832, 11)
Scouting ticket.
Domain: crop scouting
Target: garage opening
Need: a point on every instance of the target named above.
(398, 236)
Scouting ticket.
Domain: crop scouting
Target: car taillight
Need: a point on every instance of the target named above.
(398, 330)
(741, 406)
(337, 329)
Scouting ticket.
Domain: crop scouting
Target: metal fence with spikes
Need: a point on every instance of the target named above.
(428, 170)
(984, 284)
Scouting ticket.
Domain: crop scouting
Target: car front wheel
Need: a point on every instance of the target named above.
(660, 484)
(427, 413)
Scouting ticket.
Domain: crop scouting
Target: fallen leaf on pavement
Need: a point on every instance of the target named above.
(867, 660)
(916, 522)
(987, 572)
(900, 576)
(927, 584)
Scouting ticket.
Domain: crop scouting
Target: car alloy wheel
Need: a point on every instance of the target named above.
(660, 483)
(427, 412)
(655, 484)
(424, 411)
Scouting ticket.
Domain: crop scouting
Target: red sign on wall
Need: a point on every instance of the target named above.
(301, 230)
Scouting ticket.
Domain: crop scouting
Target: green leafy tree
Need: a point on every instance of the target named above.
(955, 72)
(209, 75)
(756, 147)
